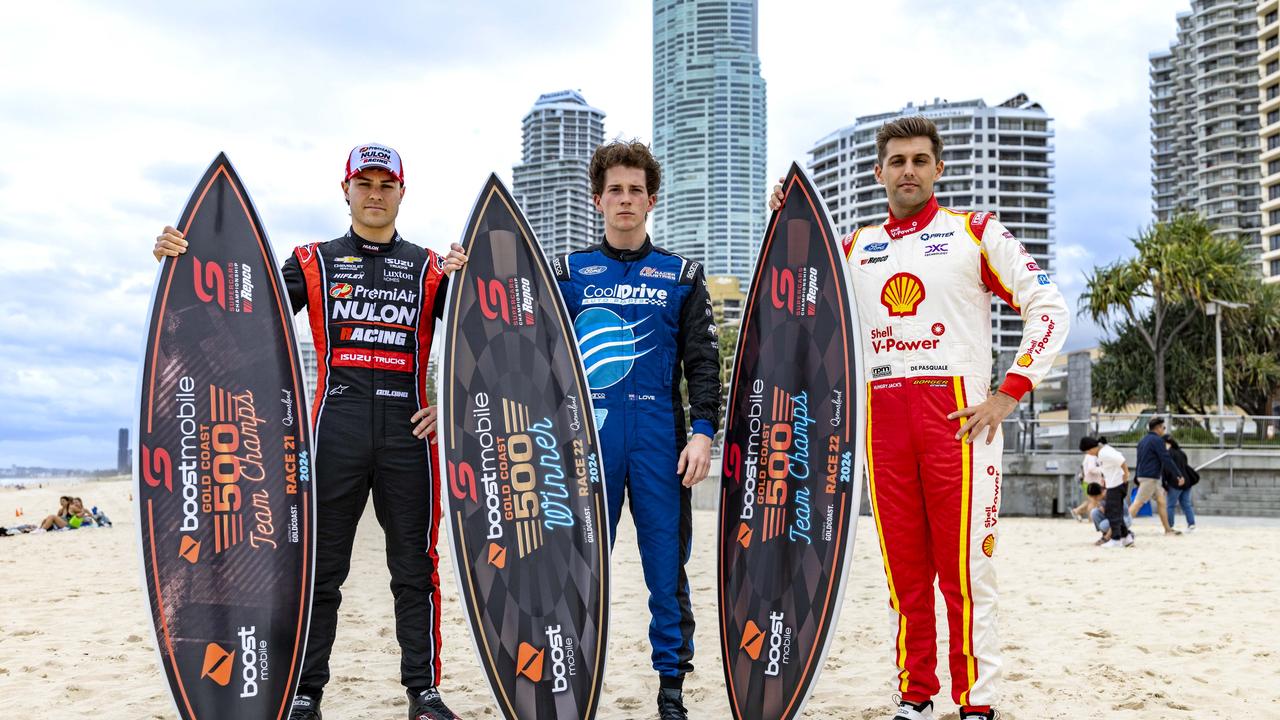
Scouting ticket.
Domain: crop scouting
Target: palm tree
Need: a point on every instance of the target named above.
(1178, 262)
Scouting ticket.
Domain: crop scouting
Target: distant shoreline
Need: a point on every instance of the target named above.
(14, 483)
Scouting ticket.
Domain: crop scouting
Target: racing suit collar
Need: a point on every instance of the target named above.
(897, 228)
(626, 255)
(369, 247)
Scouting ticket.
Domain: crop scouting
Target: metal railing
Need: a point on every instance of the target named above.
(1034, 435)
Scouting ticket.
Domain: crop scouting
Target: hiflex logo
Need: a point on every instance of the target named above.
(512, 301)
(795, 290)
(340, 290)
(608, 345)
(902, 294)
(752, 640)
(217, 664)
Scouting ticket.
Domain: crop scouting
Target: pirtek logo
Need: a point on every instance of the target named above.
(217, 664)
(744, 535)
(189, 549)
(902, 294)
(497, 556)
(752, 640)
(528, 661)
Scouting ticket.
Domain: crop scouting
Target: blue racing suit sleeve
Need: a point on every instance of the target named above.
(700, 354)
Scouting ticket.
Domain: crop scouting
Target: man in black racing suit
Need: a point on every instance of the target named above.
(372, 300)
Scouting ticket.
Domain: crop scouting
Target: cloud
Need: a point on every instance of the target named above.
(143, 94)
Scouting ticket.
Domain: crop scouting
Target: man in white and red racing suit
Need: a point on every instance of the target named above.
(923, 284)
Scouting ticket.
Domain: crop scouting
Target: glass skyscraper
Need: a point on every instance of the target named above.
(709, 132)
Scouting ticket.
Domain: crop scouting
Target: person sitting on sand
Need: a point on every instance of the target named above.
(60, 519)
(1098, 513)
(97, 517)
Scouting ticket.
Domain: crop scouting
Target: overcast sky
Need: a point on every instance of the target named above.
(110, 112)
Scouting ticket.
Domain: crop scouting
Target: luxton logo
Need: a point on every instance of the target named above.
(744, 535)
(217, 664)
(752, 640)
(989, 545)
(189, 549)
(529, 661)
(340, 290)
(902, 294)
(497, 556)
(1024, 360)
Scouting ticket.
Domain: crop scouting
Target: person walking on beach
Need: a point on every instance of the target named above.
(1180, 492)
(1153, 461)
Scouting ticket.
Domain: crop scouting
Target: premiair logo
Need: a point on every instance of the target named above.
(608, 345)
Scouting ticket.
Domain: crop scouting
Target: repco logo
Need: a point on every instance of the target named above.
(210, 283)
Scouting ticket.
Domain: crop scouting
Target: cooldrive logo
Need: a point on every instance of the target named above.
(779, 637)
(902, 294)
(795, 290)
(511, 300)
(621, 294)
(230, 287)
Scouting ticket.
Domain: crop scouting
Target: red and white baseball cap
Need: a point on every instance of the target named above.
(373, 155)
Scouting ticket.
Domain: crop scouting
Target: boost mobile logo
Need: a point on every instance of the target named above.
(779, 643)
(217, 664)
(530, 660)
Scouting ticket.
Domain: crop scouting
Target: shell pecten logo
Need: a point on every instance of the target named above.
(989, 545)
(1024, 360)
(902, 294)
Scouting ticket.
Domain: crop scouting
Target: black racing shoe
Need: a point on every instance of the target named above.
(427, 705)
(305, 707)
(671, 705)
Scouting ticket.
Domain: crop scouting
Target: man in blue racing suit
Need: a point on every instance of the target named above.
(643, 319)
